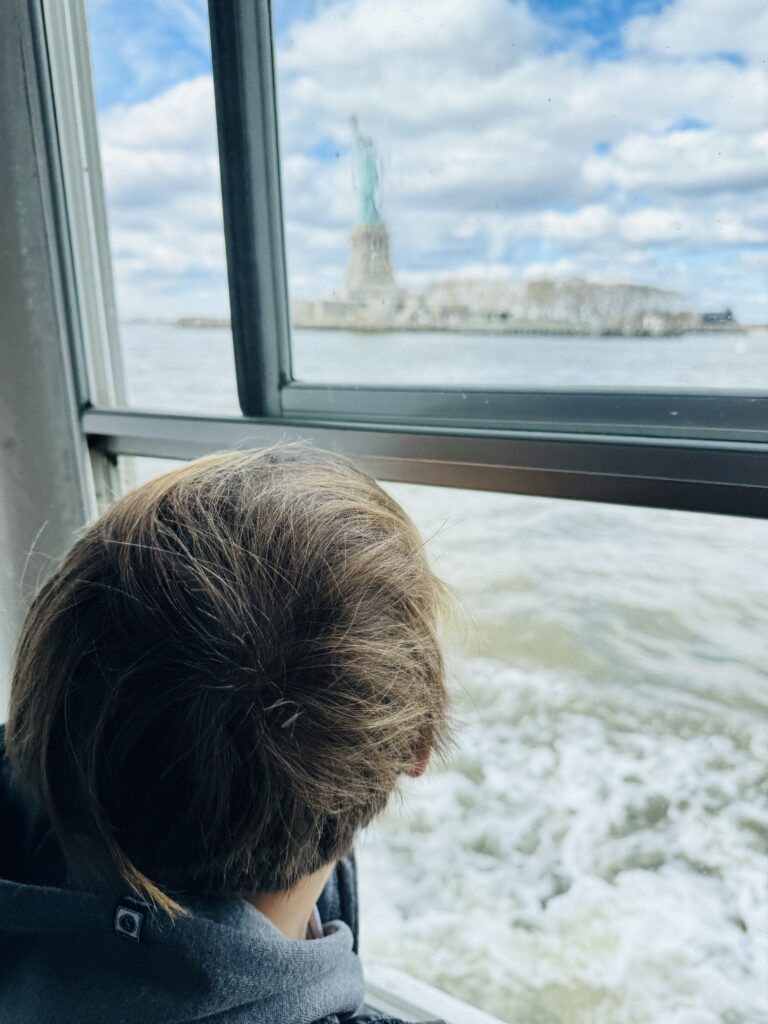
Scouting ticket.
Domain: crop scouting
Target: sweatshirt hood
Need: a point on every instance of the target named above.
(69, 954)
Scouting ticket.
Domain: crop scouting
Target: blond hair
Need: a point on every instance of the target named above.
(222, 682)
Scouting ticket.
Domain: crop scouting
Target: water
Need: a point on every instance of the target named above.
(189, 370)
(483, 360)
(596, 850)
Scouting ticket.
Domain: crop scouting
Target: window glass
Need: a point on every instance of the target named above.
(157, 129)
(536, 193)
(595, 847)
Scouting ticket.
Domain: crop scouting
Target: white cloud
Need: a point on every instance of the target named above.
(483, 37)
(685, 161)
(708, 228)
(696, 28)
(583, 226)
(161, 171)
(180, 119)
(559, 270)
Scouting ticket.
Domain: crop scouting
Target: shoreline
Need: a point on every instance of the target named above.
(523, 330)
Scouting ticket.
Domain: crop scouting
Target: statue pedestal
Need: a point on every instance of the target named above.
(370, 266)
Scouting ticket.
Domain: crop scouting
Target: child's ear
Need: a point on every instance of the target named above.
(421, 763)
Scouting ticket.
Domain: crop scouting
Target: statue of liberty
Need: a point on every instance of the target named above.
(367, 175)
(370, 277)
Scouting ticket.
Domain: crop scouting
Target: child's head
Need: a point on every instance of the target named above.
(223, 681)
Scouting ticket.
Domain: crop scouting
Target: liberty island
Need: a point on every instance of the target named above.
(371, 300)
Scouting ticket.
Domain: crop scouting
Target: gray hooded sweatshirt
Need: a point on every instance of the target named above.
(72, 954)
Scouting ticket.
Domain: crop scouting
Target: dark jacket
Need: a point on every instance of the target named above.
(70, 954)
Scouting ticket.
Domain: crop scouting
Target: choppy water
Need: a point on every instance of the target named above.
(596, 850)
(202, 359)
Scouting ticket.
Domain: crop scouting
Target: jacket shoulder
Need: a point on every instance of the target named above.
(29, 851)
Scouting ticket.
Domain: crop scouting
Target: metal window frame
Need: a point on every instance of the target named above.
(94, 333)
(48, 484)
(697, 476)
(249, 160)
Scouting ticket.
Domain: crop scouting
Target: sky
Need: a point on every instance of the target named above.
(617, 140)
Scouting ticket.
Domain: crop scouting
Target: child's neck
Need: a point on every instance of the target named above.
(291, 911)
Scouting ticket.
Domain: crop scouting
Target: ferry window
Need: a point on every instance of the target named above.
(493, 248)
(594, 849)
(530, 194)
(159, 156)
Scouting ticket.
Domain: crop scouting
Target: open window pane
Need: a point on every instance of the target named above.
(529, 194)
(595, 850)
(157, 128)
